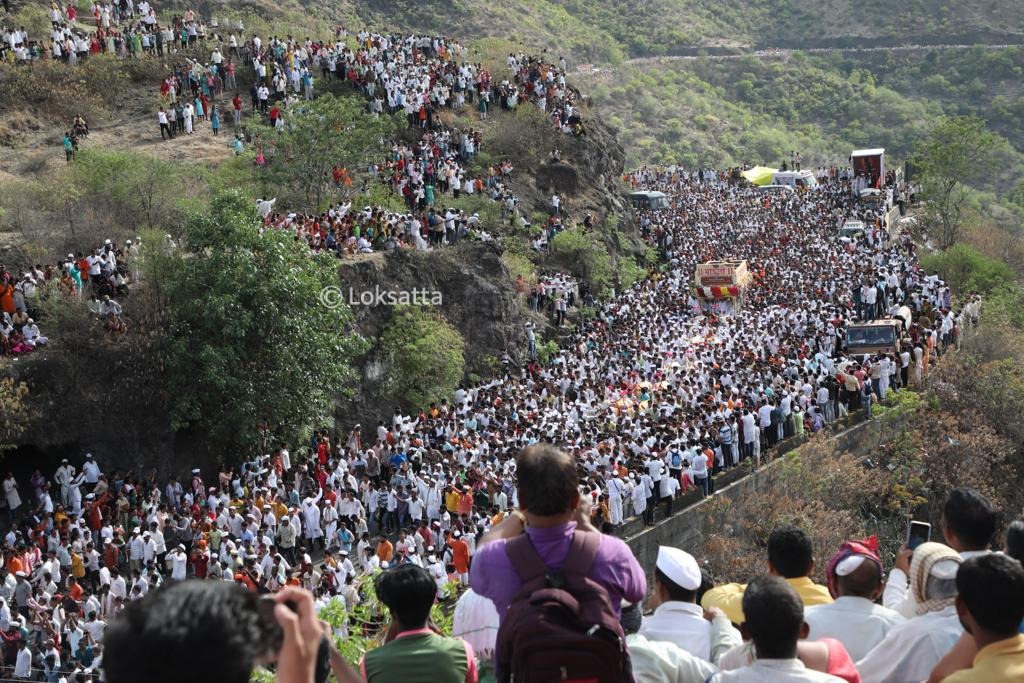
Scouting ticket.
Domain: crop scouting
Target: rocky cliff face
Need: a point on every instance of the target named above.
(476, 296)
(588, 176)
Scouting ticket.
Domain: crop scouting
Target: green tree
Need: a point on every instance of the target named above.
(967, 269)
(587, 256)
(956, 151)
(254, 340)
(319, 135)
(425, 352)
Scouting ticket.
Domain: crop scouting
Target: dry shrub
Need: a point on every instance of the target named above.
(828, 494)
(56, 92)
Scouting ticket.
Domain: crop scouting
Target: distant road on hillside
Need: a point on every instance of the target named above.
(771, 52)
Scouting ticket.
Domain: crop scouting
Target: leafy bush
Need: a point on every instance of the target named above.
(15, 412)
(54, 91)
(519, 266)
(131, 188)
(587, 256)
(251, 349)
(547, 350)
(426, 354)
(966, 269)
(629, 272)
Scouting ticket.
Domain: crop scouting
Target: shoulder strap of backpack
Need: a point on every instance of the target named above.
(525, 560)
(581, 553)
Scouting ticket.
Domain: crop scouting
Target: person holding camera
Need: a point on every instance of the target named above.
(217, 632)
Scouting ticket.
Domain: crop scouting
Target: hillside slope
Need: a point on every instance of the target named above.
(659, 27)
(753, 109)
(594, 31)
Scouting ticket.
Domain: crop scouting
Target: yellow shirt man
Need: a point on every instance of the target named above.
(1000, 662)
(729, 597)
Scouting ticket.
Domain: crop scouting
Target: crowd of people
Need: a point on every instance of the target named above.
(550, 598)
(99, 278)
(651, 398)
(415, 75)
(122, 29)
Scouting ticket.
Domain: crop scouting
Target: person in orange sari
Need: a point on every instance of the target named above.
(7, 298)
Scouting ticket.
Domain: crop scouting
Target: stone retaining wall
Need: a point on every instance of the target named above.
(684, 529)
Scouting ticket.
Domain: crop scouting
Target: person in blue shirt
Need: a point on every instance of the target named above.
(345, 538)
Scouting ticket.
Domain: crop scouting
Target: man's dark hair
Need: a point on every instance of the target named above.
(774, 616)
(674, 590)
(790, 552)
(408, 592)
(176, 632)
(547, 480)
(991, 586)
(1015, 540)
(970, 516)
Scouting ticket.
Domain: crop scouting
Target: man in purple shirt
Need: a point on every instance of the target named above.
(550, 511)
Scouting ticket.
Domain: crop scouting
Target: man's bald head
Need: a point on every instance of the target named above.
(863, 582)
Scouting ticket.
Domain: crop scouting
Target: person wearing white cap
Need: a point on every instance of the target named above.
(136, 550)
(179, 563)
(677, 618)
(615, 489)
(91, 470)
(912, 649)
(855, 582)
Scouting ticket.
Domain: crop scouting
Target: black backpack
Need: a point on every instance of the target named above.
(561, 625)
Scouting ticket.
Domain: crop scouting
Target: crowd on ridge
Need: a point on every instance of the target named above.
(99, 278)
(122, 29)
(416, 75)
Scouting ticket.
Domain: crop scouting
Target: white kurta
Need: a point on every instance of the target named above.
(857, 623)
(682, 623)
(912, 649)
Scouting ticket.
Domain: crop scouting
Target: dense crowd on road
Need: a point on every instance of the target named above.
(649, 399)
(82, 592)
(662, 389)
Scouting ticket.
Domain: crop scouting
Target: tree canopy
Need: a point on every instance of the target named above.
(251, 350)
(426, 354)
(957, 151)
(318, 136)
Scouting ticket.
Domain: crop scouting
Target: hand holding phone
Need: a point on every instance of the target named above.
(918, 533)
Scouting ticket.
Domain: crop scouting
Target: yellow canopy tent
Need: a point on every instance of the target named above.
(760, 175)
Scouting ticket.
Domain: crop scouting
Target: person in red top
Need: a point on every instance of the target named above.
(200, 563)
(111, 554)
(94, 510)
(236, 104)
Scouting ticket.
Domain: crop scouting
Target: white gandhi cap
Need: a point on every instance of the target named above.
(679, 567)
